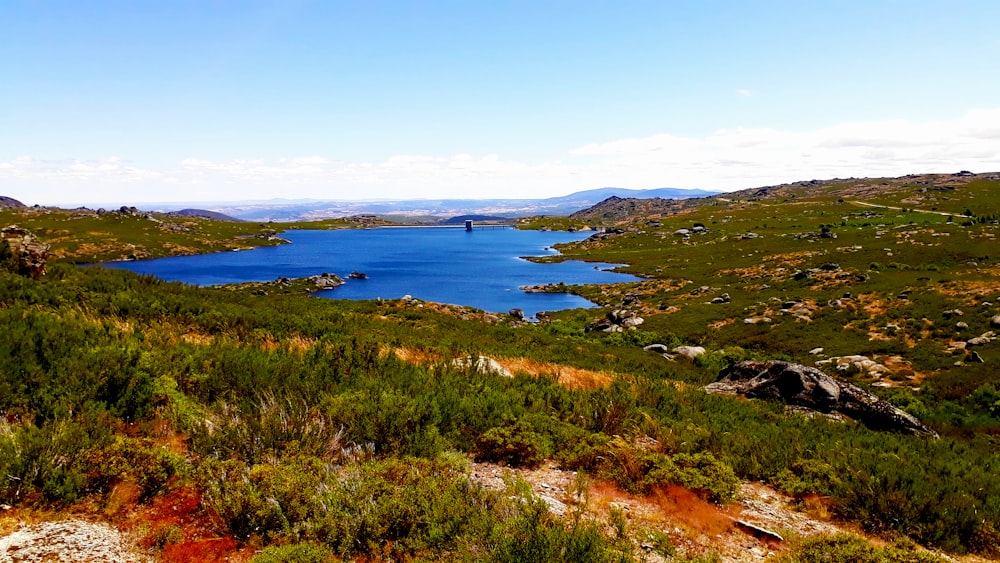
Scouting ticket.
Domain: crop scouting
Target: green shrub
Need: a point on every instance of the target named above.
(134, 460)
(699, 472)
(515, 445)
(807, 476)
(638, 470)
(8, 262)
(48, 463)
(294, 553)
(264, 500)
(535, 535)
(847, 548)
(164, 535)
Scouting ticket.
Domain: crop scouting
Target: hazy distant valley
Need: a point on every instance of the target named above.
(428, 209)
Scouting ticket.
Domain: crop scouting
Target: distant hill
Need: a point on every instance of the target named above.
(601, 194)
(10, 202)
(205, 214)
(460, 219)
(444, 208)
(617, 208)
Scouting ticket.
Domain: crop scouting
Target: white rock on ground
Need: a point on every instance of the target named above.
(68, 541)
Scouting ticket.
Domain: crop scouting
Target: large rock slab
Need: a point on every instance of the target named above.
(807, 387)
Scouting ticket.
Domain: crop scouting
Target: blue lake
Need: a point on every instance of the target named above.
(480, 269)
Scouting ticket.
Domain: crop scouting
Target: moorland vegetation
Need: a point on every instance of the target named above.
(293, 428)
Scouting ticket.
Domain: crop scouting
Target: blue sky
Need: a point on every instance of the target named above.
(132, 102)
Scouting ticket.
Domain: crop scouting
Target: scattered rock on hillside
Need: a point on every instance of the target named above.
(689, 352)
(856, 364)
(617, 208)
(483, 365)
(617, 321)
(984, 338)
(808, 387)
(29, 252)
(326, 280)
(995, 321)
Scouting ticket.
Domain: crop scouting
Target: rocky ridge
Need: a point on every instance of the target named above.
(617, 208)
(29, 253)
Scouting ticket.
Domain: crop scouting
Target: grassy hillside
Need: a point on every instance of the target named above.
(902, 271)
(220, 423)
(88, 236)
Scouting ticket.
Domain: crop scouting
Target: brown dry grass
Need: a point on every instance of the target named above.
(567, 376)
(416, 355)
(295, 343)
(872, 304)
(972, 291)
(721, 323)
(752, 272)
(790, 258)
(197, 338)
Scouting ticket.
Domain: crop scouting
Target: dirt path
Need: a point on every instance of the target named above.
(942, 213)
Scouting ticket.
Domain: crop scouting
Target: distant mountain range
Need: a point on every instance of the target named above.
(435, 209)
(204, 214)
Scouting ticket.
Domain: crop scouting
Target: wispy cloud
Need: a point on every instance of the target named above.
(744, 92)
(726, 159)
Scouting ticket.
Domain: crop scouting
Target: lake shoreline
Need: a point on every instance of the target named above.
(484, 269)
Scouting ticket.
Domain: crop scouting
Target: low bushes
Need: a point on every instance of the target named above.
(393, 508)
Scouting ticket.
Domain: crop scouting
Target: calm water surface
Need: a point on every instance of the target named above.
(481, 269)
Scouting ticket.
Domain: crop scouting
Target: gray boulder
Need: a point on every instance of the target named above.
(984, 338)
(803, 386)
(689, 352)
(326, 281)
(484, 365)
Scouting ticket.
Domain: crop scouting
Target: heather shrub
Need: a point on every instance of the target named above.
(515, 445)
(847, 548)
(294, 553)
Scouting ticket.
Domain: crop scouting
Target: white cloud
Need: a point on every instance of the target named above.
(726, 159)
(744, 92)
